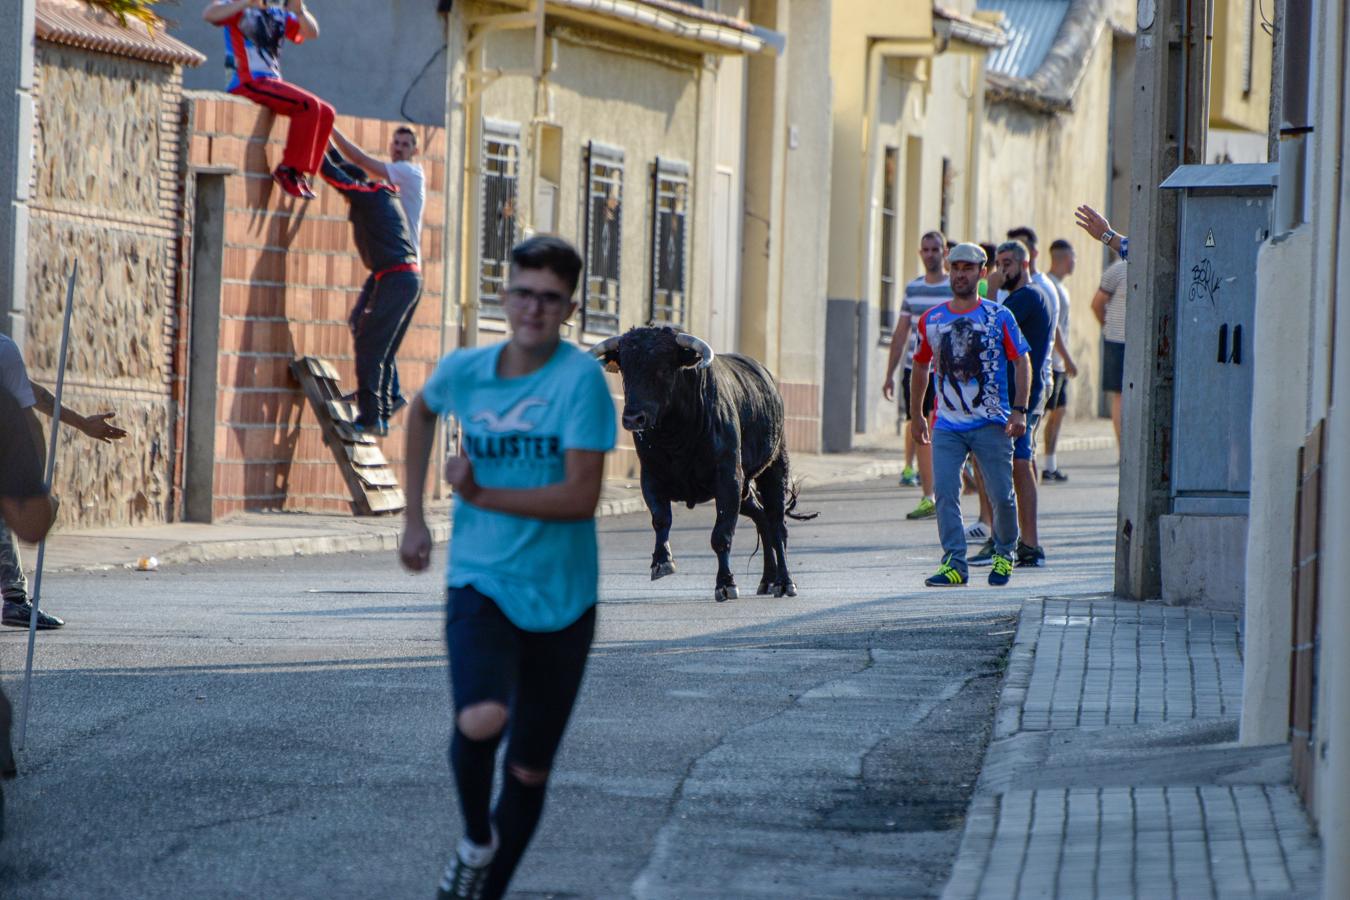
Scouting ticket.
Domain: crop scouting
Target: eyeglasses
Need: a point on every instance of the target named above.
(550, 300)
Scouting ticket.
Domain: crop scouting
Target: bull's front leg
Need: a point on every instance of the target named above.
(730, 485)
(663, 563)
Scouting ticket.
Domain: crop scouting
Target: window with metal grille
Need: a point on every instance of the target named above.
(603, 227)
(670, 195)
(499, 178)
(886, 291)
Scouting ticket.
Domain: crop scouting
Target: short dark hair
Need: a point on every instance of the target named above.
(404, 129)
(936, 235)
(1060, 244)
(1017, 249)
(990, 251)
(546, 251)
(1025, 234)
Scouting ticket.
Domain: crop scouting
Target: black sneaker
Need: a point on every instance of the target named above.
(986, 555)
(1029, 556)
(462, 881)
(1056, 475)
(17, 615)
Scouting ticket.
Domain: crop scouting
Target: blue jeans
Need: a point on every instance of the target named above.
(13, 584)
(993, 450)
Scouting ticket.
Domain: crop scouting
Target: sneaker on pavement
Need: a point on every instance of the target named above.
(291, 181)
(925, 510)
(946, 575)
(1001, 572)
(1056, 475)
(985, 556)
(909, 477)
(977, 531)
(1029, 556)
(17, 615)
(464, 880)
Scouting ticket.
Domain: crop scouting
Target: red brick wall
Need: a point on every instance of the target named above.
(290, 274)
(801, 404)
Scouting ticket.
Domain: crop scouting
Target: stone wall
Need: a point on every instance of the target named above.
(290, 274)
(105, 193)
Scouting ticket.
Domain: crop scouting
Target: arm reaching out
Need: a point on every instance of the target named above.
(96, 426)
(374, 167)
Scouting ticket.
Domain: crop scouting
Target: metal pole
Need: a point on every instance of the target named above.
(51, 471)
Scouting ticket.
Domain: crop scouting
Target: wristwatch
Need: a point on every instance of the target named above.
(1021, 409)
(1108, 236)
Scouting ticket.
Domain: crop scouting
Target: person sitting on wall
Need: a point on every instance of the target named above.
(254, 30)
(385, 308)
(14, 381)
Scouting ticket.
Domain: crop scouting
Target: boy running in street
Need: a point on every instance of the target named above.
(537, 420)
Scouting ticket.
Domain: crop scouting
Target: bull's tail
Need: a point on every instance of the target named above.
(793, 493)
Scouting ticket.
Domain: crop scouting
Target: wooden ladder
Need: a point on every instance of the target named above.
(373, 486)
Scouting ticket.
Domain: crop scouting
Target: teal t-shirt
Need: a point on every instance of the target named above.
(543, 575)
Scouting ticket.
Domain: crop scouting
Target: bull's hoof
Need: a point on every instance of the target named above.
(785, 589)
(724, 593)
(764, 588)
(662, 569)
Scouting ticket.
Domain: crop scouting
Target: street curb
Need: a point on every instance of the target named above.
(388, 538)
(1017, 678)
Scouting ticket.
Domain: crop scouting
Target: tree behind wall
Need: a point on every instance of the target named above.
(126, 10)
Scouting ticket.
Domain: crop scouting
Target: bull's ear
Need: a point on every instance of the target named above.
(688, 357)
(610, 361)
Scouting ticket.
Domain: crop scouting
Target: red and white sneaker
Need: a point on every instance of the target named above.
(292, 182)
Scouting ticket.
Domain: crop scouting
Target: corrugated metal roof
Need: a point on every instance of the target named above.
(75, 24)
(1031, 26)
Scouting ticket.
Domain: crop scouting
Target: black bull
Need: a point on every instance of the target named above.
(707, 427)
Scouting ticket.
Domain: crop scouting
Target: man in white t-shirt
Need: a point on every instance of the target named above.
(400, 171)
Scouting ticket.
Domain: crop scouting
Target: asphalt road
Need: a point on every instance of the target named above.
(277, 729)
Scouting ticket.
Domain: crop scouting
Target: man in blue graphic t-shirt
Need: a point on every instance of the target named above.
(967, 343)
(537, 418)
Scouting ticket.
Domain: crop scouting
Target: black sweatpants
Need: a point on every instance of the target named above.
(379, 321)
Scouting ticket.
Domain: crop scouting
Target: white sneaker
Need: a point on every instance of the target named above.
(977, 531)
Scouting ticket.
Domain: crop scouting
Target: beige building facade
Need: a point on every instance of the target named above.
(908, 113)
(659, 138)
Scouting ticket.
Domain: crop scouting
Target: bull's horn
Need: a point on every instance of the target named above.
(690, 342)
(608, 345)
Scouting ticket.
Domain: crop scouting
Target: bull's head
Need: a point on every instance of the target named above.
(651, 361)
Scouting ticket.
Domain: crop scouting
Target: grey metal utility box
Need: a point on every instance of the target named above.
(1226, 213)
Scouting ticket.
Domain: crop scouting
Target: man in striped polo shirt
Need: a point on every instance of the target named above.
(921, 294)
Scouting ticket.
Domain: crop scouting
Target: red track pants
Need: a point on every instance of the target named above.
(311, 119)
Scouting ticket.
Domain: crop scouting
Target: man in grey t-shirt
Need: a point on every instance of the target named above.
(1062, 261)
(922, 294)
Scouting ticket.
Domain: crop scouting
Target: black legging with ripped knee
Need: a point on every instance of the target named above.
(535, 676)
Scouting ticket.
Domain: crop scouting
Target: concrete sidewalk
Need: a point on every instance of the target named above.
(1113, 770)
(262, 534)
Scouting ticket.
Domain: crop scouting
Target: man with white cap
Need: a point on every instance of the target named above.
(968, 343)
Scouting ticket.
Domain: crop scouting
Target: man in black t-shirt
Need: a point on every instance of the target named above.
(1035, 312)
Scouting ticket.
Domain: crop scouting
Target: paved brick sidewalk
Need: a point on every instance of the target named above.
(1132, 697)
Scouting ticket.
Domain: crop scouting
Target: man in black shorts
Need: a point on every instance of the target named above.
(1062, 261)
